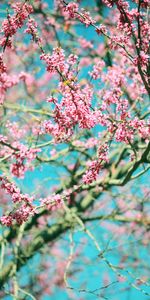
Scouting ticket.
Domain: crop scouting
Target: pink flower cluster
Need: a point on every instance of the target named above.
(95, 166)
(32, 28)
(92, 172)
(72, 9)
(56, 61)
(60, 133)
(101, 29)
(19, 214)
(102, 152)
(11, 189)
(126, 130)
(124, 133)
(97, 69)
(72, 59)
(86, 18)
(75, 107)
(23, 157)
(2, 64)
(12, 23)
(73, 12)
(24, 207)
(53, 202)
(142, 126)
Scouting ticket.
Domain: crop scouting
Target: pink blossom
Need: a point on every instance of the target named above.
(72, 9)
(92, 172)
(53, 202)
(54, 61)
(2, 65)
(23, 157)
(6, 220)
(97, 69)
(101, 29)
(23, 201)
(13, 23)
(86, 18)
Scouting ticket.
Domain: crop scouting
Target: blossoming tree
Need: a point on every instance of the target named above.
(74, 149)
